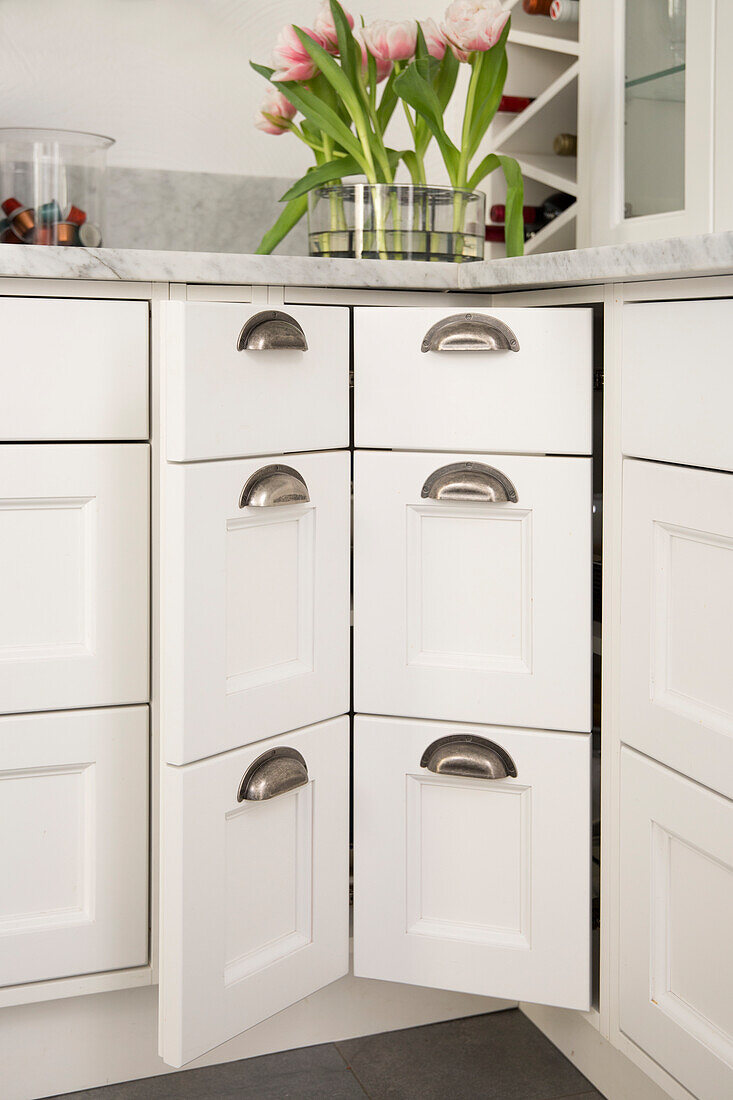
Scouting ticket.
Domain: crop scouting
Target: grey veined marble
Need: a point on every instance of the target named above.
(195, 211)
(711, 254)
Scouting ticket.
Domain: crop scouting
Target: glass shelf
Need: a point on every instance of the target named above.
(654, 76)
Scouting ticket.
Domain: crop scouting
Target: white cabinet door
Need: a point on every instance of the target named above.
(73, 369)
(677, 619)
(255, 893)
(475, 884)
(676, 912)
(677, 385)
(74, 567)
(74, 847)
(468, 608)
(537, 399)
(265, 398)
(255, 632)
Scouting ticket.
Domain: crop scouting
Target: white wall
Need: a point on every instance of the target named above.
(168, 79)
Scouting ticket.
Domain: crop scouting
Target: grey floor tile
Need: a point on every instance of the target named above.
(311, 1073)
(500, 1056)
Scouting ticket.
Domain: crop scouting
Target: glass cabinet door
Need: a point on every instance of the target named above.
(654, 107)
(647, 120)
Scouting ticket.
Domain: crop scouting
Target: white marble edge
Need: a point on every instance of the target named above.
(678, 257)
(671, 257)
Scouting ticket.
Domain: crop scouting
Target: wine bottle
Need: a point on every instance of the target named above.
(513, 104)
(530, 214)
(497, 233)
(566, 145)
(536, 216)
(537, 7)
(565, 11)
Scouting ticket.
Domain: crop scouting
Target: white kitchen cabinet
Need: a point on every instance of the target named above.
(74, 851)
(255, 887)
(676, 951)
(488, 380)
(677, 619)
(255, 600)
(472, 588)
(677, 385)
(73, 369)
(471, 859)
(74, 572)
(287, 390)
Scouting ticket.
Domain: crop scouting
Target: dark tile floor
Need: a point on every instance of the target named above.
(501, 1056)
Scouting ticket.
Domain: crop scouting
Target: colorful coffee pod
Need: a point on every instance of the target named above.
(22, 218)
(49, 213)
(90, 235)
(76, 216)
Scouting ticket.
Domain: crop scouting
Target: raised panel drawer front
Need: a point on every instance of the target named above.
(677, 389)
(255, 889)
(535, 400)
(73, 369)
(272, 396)
(474, 610)
(74, 851)
(677, 619)
(676, 912)
(477, 884)
(255, 600)
(74, 571)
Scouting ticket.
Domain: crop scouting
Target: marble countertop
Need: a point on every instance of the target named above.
(711, 254)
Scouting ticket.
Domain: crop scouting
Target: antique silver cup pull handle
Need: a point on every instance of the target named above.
(469, 332)
(469, 481)
(273, 485)
(468, 756)
(275, 772)
(272, 330)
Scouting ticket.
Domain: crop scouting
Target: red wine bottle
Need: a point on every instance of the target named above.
(531, 214)
(513, 104)
(498, 232)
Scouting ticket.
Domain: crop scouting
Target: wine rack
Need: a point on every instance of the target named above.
(544, 62)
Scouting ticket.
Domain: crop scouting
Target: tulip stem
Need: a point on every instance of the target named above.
(462, 174)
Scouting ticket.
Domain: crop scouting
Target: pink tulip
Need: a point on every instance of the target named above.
(434, 38)
(275, 112)
(391, 41)
(325, 27)
(290, 57)
(384, 68)
(471, 25)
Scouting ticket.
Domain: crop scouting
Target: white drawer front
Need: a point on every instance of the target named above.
(474, 884)
(74, 853)
(73, 369)
(255, 894)
(678, 382)
(74, 565)
(469, 610)
(255, 604)
(223, 403)
(676, 916)
(677, 619)
(537, 400)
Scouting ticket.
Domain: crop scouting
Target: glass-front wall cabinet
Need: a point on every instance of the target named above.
(654, 107)
(649, 120)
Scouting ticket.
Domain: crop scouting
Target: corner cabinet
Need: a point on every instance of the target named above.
(472, 833)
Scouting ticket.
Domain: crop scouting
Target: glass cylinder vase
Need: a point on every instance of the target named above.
(396, 221)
